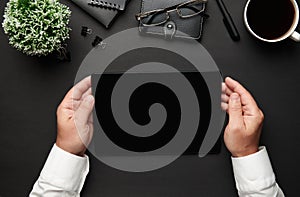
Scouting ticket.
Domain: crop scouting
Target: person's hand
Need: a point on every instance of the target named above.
(243, 131)
(74, 119)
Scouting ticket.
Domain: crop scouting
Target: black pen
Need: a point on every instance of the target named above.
(231, 28)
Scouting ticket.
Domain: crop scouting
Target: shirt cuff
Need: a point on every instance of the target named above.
(65, 170)
(253, 172)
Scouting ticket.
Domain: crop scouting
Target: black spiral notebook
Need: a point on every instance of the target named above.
(104, 15)
(113, 4)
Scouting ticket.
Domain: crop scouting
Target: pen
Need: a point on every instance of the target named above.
(231, 28)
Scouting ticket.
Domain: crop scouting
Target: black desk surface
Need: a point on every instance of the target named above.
(31, 89)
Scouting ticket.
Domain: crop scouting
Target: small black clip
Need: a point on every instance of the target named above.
(97, 41)
(85, 31)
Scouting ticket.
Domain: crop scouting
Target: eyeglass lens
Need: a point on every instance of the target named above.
(155, 18)
(184, 10)
(190, 9)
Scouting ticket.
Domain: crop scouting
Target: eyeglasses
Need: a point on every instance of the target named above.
(160, 16)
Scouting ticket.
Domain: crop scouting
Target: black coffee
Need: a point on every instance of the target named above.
(270, 19)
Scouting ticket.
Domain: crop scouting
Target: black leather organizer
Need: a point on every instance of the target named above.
(175, 26)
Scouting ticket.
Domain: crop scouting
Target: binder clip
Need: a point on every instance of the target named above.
(98, 42)
(85, 31)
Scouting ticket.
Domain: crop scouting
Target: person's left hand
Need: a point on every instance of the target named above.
(74, 119)
(243, 131)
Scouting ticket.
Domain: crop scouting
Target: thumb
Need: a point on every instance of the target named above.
(84, 110)
(235, 110)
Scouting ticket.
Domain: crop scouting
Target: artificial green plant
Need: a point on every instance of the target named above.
(36, 27)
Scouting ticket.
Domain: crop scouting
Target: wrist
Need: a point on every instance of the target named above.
(66, 148)
(246, 152)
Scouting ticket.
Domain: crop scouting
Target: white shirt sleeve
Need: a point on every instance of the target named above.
(63, 175)
(254, 175)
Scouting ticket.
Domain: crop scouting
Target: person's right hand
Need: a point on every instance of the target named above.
(243, 131)
(74, 119)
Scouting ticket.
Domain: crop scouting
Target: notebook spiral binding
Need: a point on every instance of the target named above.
(104, 4)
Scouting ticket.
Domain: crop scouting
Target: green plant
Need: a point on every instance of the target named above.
(36, 27)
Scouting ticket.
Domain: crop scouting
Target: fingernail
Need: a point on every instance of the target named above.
(90, 99)
(235, 97)
(230, 79)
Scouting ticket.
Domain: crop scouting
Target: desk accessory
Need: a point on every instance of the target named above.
(36, 27)
(85, 31)
(148, 93)
(103, 15)
(229, 24)
(113, 4)
(278, 23)
(97, 41)
(172, 18)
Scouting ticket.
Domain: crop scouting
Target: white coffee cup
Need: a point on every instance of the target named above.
(291, 33)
